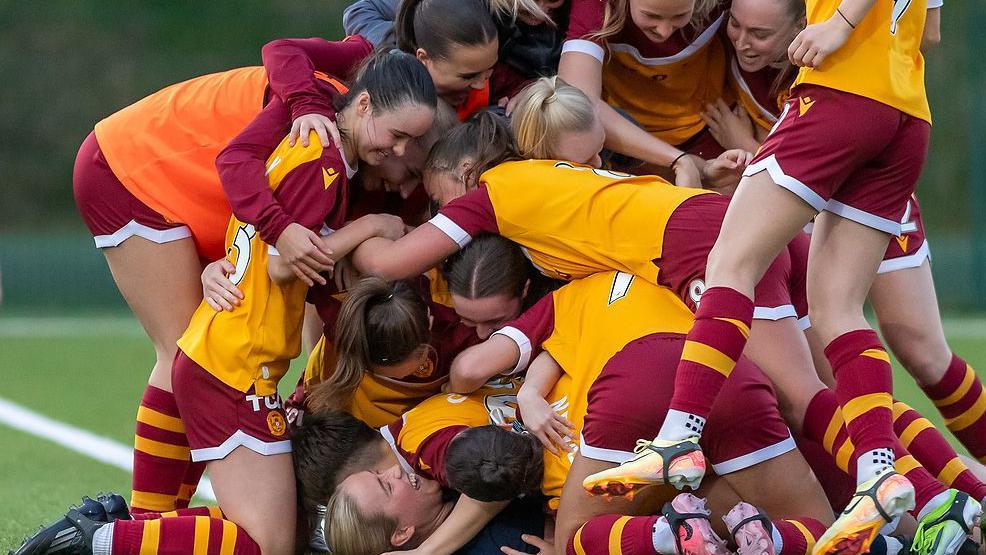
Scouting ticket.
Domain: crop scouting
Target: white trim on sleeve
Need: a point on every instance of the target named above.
(523, 343)
(584, 47)
(452, 229)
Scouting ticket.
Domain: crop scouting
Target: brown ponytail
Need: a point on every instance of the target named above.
(485, 138)
(379, 324)
(438, 26)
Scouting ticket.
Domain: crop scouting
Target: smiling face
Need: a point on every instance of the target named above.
(465, 68)
(487, 314)
(659, 19)
(380, 133)
(407, 499)
(400, 174)
(761, 31)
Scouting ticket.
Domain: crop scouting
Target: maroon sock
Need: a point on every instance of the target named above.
(823, 424)
(960, 397)
(920, 437)
(161, 454)
(864, 388)
(181, 535)
(714, 344)
(635, 533)
(799, 534)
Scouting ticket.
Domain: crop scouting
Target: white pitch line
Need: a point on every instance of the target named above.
(18, 327)
(81, 441)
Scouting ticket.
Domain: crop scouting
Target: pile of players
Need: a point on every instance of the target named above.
(545, 285)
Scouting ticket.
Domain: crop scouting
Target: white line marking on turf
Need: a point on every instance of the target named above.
(81, 441)
(18, 327)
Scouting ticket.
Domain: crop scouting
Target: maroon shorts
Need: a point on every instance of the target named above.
(848, 154)
(910, 249)
(219, 418)
(629, 400)
(111, 212)
(689, 236)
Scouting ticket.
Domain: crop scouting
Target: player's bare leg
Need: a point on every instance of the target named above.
(842, 264)
(161, 284)
(265, 508)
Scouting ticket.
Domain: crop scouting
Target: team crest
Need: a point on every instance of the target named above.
(276, 423)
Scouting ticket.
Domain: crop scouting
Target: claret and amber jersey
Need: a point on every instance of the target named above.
(881, 59)
(582, 325)
(379, 400)
(756, 92)
(571, 220)
(251, 346)
(664, 86)
(422, 435)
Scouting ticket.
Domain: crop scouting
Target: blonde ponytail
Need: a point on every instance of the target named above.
(545, 109)
(511, 9)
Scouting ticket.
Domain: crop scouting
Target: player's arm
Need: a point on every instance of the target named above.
(932, 29)
(584, 70)
(476, 365)
(819, 40)
(553, 430)
(508, 351)
(291, 65)
(408, 257)
(340, 243)
(373, 19)
(467, 518)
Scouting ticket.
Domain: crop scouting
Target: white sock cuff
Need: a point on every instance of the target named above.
(680, 425)
(102, 540)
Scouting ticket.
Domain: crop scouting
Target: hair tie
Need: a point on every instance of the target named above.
(394, 51)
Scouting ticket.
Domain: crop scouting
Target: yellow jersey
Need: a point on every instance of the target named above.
(663, 86)
(251, 346)
(423, 433)
(571, 220)
(881, 59)
(582, 325)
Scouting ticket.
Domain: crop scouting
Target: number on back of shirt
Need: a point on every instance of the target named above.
(242, 244)
(900, 8)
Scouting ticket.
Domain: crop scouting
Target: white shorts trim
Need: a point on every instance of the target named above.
(804, 322)
(756, 457)
(864, 218)
(583, 46)
(906, 262)
(241, 438)
(602, 454)
(774, 313)
(159, 236)
(523, 343)
(452, 229)
(777, 174)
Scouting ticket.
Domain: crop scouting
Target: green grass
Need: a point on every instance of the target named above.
(89, 372)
